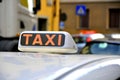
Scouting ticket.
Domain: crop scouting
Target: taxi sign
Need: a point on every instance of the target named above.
(36, 39)
(47, 41)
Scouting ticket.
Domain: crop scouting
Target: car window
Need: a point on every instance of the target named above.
(79, 39)
(105, 48)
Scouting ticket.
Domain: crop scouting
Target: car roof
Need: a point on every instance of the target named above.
(31, 66)
(110, 40)
(93, 36)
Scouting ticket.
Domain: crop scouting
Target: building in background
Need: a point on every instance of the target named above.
(26, 15)
(101, 15)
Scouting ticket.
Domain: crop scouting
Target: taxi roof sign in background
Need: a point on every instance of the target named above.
(81, 10)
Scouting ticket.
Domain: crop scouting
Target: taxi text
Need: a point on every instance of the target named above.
(37, 39)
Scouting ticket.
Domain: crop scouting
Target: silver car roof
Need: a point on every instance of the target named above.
(43, 66)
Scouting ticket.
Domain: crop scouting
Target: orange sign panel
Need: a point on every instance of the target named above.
(37, 39)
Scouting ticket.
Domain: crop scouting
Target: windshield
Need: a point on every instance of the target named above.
(105, 48)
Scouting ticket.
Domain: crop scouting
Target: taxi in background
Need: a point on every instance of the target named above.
(108, 45)
(43, 57)
(86, 36)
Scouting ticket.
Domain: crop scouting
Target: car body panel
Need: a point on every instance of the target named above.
(46, 66)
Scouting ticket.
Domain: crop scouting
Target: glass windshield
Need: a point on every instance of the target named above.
(105, 48)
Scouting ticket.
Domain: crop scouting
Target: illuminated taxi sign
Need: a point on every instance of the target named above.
(47, 41)
(37, 39)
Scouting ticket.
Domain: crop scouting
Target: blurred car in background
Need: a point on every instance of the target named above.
(102, 46)
(82, 39)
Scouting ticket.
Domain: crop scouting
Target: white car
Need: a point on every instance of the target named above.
(39, 60)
